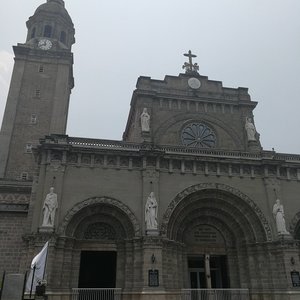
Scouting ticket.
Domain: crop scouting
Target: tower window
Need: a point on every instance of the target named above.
(48, 31)
(63, 37)
(33, 32)
(38, 93)
(24, 176)
(28, 148)
(33, 119)
(41, 69)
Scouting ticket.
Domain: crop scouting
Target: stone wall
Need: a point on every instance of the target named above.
(11, 243)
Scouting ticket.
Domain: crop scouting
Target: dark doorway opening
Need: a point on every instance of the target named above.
(217, 269)
(97, 269)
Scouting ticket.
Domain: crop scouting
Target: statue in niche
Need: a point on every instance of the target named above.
(49, 209)
(278, 214)
(151, 212)
(250, 129)
(145, 121)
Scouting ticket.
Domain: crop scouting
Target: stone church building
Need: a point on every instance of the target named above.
(188, 199)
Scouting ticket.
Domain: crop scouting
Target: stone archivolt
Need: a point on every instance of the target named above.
(100, 206)
(223, 202)
(295, 226)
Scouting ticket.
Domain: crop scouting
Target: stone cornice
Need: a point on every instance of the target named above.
(61, 151)
(87, 145)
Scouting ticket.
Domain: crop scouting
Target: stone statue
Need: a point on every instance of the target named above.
(49, 209)
(278, 214)
(151, 212)
(250, 129)
(145, 121)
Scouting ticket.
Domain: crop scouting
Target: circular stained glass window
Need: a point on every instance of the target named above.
(198, 135)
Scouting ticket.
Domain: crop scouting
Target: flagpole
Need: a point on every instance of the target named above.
(46, 260)
(24, 284)
(2, 284)
(32, 280)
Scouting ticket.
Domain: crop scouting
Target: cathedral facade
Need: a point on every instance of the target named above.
(188, 199)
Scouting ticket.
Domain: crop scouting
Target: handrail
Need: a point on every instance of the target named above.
(96, 293)
(215, 294)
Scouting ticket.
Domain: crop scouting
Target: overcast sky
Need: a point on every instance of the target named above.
(247, 43)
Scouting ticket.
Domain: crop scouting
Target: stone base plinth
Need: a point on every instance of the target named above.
(254, 146)
(152, 232)
(285, 237)
(46, 229)
(146, 136)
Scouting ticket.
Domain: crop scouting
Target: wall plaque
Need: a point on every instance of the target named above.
(153, 278)
(295, 278)
(204, 234)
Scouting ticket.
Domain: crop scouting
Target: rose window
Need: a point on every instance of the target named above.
(198, 135)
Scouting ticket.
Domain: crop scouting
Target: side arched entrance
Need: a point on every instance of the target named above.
(95, 246)
(222, 233)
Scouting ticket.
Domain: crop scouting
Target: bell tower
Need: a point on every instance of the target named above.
(40, 88)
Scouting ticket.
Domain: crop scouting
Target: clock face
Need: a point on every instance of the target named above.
(194, 83)
(45, 44)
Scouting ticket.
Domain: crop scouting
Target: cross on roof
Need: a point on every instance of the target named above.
(190, 67)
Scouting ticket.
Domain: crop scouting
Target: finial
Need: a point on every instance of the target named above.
(190, 67)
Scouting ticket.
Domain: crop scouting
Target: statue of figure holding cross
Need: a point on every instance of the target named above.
(189, 66)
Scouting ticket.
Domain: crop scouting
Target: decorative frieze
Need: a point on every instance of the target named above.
(209, 165)
(14, 198)
(13, 207)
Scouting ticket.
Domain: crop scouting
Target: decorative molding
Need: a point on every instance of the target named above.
(215, 186)
(294, 224)
(20, 208)
(100, 200)
(199, 117)
(9, 198)
(99, 231)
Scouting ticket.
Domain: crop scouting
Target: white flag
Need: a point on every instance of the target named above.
(37, 270)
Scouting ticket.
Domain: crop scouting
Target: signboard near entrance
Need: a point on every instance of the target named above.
(295, 278)
(153, 278)
(204, 234)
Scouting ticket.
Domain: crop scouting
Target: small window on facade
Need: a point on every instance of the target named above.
(41, 69)
(33, 32)
(47, 31)
(33, 119)
(63, 37)
(24, 176)
(28, 148)
(38, 93)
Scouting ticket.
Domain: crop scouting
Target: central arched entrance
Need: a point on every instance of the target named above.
(219, 228)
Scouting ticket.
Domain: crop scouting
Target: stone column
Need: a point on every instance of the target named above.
(207, 271)
(153, 263)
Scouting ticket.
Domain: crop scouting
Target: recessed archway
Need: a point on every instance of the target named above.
(218, 224)
(227, 204)
(98, 229)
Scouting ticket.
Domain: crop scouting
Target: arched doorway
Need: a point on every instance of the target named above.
(98, 232)
(219, 228)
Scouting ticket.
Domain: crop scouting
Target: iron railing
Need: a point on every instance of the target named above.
(215, 294)
(96, 294)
